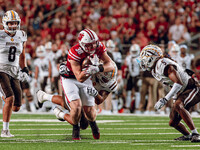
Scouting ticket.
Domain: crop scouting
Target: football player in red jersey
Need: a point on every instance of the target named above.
(75, 80)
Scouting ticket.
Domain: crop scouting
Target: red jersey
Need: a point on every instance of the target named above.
(76, 53)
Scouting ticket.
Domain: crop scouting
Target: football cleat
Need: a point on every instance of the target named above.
(57, 111)
(40, 100)
(76, 132)
(183, 138)
(95, 130)
(6, 133)
(195, 137)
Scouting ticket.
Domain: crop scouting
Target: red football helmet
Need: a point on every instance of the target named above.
(88, 40)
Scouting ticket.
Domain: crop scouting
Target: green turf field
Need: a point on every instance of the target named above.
(38, 132)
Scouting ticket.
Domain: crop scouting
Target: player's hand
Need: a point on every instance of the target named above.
(91, 69)
(94, 60)
(92, 91)
(63, 69)
(160, 103)
(23, 76)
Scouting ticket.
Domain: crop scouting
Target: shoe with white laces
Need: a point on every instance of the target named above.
(57, 111)
(6, 133)
(40, 99)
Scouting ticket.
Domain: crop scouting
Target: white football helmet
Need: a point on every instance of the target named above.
(134, 50)
(110, 45)
(174, 51)
(149, 55)
(40, 51)
(48, 46)
(11, 16)
(88, 40)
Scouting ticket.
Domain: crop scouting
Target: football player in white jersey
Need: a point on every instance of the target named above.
(75, 80)
(185, 59)
(184, 89)
(42, 68)
(174, 51)
(52, 54)
(133, 77)
(12, 57)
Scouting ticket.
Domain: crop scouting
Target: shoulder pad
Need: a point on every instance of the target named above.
(162, 63)
(23, 36)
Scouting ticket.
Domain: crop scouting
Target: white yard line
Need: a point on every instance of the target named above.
(61, 129)
(56, 120)
(113, 134)
(185, 145)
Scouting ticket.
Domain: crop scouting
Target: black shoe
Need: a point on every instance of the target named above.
(76, 132)
(83, 122)
(195, 137)
(95, 130)
(183, 138)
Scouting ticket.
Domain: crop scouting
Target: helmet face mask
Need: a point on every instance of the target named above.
(148, 56)
(11, 22)
(88, 40)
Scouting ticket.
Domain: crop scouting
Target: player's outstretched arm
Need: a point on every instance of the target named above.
(107, 62)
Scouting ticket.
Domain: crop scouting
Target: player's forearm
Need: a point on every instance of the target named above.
(108, 67)
(81, 77)
(99, 99)
(22, 61)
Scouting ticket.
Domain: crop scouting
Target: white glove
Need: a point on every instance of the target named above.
(94, 60)
(92, 69)
(23, 76)
(160, 103)
(92, 91)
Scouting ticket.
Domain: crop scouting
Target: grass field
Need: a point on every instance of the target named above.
(38, 132)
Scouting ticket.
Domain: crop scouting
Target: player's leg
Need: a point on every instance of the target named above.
(90, 112)
(143, 92)
(175, 119)
(7, 91)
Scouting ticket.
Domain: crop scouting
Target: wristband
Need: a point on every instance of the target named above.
(25, 69)
(101, 68)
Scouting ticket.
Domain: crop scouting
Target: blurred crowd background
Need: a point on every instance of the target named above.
(120, 24)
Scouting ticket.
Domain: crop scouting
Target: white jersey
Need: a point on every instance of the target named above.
(43, 65)
(53, 57)
(105, 80)
(185, 62)
(117, 57)
(158, 72)
(10, 50)
(133, 66)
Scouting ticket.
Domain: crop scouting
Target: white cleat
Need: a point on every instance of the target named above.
(40, 99)
(6, 133)
(57, 111)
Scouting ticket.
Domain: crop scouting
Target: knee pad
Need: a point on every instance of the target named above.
(15, 108)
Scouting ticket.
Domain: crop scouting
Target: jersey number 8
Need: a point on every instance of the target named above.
(11, 55)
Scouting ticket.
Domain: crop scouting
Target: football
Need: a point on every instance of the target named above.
(86, 62)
